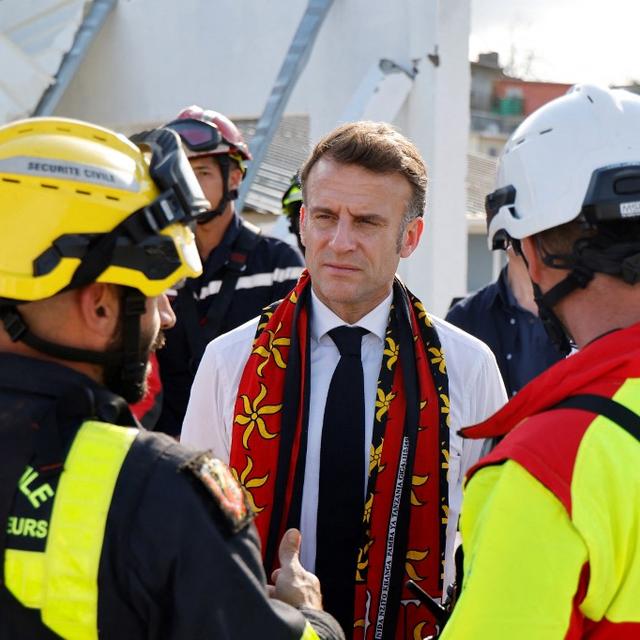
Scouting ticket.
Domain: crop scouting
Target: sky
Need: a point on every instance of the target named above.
(561, 40)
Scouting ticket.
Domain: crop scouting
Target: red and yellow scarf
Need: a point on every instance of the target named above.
(405, 513)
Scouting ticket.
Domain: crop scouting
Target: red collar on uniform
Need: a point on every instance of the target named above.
(617, 350)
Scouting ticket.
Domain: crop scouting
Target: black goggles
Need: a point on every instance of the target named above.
(196, 134)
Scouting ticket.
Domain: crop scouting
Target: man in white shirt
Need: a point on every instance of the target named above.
(382, 494)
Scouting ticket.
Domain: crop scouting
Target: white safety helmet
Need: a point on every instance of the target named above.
(576, 157)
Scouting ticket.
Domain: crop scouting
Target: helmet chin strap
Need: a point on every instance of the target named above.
(224, 162)
(552, 325)
(578, 278)
(129, 381)
(127, 366)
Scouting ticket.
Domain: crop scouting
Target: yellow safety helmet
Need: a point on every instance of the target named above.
(291, 205)
(292, 197)
(80, 203)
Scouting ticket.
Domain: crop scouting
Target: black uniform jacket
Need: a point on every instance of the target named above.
(171, 564)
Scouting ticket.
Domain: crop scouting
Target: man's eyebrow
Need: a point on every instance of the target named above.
(375, 217)
(321, 210)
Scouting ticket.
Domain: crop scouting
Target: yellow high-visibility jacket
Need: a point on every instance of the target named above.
(551, 518)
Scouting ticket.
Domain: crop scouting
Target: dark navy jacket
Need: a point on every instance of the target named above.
(516, 336)
(271, 271)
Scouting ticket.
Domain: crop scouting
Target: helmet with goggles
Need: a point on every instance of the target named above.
(205, 133)
(209, 133)
(81, 204)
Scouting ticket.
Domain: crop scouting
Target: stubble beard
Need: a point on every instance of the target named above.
(131, 390)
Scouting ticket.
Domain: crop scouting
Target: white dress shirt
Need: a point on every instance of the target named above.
(475, 392)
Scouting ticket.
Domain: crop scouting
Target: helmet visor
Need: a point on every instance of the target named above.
(196, 135)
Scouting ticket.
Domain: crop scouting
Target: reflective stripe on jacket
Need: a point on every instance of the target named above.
(62, 580)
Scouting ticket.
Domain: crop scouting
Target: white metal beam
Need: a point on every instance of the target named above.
(381, 93)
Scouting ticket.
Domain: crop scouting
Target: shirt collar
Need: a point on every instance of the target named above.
(323, 319)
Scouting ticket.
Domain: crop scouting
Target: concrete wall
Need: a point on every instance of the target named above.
(155, 56)
(438, 269)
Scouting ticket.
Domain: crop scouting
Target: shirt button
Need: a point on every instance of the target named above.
(512, 321)
(509, 356)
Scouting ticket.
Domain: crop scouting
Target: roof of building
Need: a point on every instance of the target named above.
(287, 151)
(488, 60)
(481, 177)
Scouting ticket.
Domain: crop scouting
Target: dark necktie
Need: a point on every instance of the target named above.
(341, 487)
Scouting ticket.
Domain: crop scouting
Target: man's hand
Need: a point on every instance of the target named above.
(293, 583)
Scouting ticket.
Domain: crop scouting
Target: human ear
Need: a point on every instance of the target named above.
(411, 236)
(99, 308)
(235, 177)
(302, 225)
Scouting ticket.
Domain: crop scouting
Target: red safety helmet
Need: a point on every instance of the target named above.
(207, 133)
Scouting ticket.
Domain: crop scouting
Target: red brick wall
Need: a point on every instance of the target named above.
(534, 94)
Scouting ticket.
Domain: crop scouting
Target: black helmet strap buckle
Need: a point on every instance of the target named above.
(630, 269)
(13, 323)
